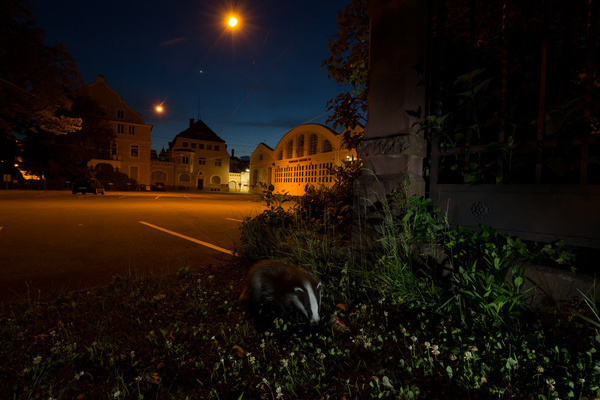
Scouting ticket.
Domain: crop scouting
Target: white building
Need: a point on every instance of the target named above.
(304, 156)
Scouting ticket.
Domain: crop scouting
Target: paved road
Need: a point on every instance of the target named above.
(50, 240)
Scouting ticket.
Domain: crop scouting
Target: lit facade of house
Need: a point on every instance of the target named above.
(130, 153)
(198, 160)
(304, 156)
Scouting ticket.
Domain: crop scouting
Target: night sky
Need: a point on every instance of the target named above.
(250, 85)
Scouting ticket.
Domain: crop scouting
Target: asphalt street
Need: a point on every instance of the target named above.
(53, 241)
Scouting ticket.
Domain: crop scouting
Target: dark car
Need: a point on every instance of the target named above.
(88, 186)
(158, 186)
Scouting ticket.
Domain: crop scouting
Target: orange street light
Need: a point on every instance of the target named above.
(159, 109)
(233, 21)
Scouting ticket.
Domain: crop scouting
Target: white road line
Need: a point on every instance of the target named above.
(212, 246)
(235, 220)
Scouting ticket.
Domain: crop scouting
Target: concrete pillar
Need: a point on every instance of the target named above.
(391, 151)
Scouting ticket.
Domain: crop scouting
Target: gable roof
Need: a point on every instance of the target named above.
(198, 131)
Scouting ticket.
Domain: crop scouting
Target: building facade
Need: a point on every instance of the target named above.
(130, 153)
(306, 155)
(197, 160)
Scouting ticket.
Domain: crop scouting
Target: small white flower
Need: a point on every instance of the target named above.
(78, 375)
(279, 392)
(427, 345)
(284, 361)
(117, 394)
(468, 355)
(37, 360)
(413, 338)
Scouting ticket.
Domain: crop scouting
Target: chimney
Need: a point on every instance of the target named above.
(232, 153)
(191, 122)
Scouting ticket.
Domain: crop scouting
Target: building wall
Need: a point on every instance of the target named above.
(133, 144)
(200, 165)
(304, 156)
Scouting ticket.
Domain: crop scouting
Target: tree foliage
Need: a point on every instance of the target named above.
(44, 122)
(347, 65)
(36, 80)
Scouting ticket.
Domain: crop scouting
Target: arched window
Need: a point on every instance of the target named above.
(290, 149)
(215, 180)
(280, 155)
(159, 176)
(312, 144)
(327, 146)
(300, 146)
(185, 178)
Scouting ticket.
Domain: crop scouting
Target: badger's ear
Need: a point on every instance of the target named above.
(298, 289)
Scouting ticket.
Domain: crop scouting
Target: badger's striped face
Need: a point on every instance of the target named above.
(308, 300)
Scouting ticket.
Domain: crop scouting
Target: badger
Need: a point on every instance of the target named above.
(276, 286)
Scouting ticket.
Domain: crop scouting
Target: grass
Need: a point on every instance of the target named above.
(184, 336)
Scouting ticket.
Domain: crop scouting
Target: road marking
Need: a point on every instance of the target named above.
(212, 246)
(235, 220)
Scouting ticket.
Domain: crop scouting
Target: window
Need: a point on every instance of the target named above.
(290, 149)
(312, 144)
(300, 146)
(159, 176)
(113, 149)
(201, 146)
(120, 128)
(185, 178)
(218, 163)
(202, 161)
(131, 130)
(215, 180)
(327, 146)
(193, 145)
(186, 144)
(120, 114)
(135, 150)
(216, 147)
(280, 155)
(208, 147)
(102, 110)
(184, 160)
(134, 172)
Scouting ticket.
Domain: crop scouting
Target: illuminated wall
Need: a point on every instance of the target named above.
(304, 156)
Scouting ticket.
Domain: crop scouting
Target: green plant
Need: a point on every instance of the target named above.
(491, 295)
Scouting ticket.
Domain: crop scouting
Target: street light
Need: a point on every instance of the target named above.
(233, 21)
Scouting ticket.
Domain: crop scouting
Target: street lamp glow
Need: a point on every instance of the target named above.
(232, 21)
(159, 108)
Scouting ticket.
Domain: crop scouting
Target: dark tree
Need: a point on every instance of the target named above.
(347, 65)
(36, 84)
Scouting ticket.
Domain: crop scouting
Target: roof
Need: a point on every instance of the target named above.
(198, 131)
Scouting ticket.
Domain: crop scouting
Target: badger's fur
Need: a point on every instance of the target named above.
(280, 287)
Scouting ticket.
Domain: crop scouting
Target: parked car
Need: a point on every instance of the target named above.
(88, 186)
(159, 186)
